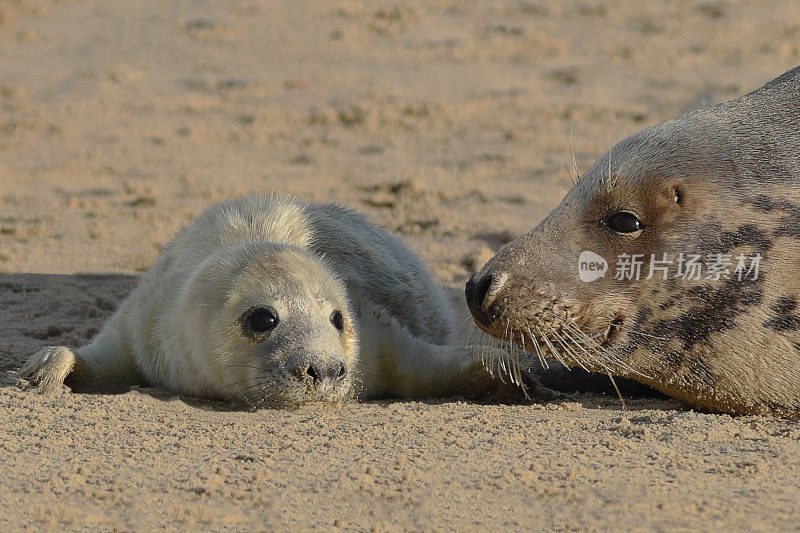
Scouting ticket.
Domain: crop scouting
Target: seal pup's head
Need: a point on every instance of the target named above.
(276, 329)
(672, 261)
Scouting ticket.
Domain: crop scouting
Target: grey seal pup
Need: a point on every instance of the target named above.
(273, 302)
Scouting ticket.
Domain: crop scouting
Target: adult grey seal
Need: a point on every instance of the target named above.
(273, 302)
(674, 261)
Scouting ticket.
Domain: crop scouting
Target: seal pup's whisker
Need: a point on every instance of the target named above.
(251, 385)
(247, 380)
(243, 366)
(572, 148)
(572, 180)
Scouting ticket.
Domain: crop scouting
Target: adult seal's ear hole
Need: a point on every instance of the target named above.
(612, 331)
(677, 196)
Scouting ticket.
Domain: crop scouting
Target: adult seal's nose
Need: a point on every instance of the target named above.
(475, 291)
(481, 293)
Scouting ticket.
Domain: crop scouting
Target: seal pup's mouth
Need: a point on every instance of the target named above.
(291, 399)
(290, 388)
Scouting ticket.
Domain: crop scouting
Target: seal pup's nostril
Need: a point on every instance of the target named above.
(322, 374)
(313, 373)
(341, 372)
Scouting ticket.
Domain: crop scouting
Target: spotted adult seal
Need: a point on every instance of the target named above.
(717, 188)
(274, 302)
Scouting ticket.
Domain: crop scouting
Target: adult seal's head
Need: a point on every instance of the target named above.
(675, 260)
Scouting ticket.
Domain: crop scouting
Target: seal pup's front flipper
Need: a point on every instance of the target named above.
(48, 368)
(100, 365)
(397, 363)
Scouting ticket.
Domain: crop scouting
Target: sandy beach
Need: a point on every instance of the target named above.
(448, 122)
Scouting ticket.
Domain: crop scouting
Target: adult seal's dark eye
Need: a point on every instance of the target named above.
(337, 320)
(623, 222)
(260, 320)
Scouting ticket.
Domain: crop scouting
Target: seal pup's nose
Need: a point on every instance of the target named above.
(482, 292)
(324, 374)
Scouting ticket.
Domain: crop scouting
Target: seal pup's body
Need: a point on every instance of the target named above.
(271, 302)
(721, 181)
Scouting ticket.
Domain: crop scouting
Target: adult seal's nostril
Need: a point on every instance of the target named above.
(481, 290)
(481, 293)
(469, 291)
(476, 290)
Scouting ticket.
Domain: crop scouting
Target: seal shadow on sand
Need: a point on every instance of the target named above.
(40, 310)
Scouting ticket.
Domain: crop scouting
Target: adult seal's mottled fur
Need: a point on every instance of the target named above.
(272, 302)
(722, 183)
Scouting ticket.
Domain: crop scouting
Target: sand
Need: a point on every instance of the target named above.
(449, 122)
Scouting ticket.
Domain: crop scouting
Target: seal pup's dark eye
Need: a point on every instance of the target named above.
(623, 222)
(260, 320)
(337, 320)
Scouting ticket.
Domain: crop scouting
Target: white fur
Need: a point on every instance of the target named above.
(178, 329)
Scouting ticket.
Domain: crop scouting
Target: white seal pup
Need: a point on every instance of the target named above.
(272, 302)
